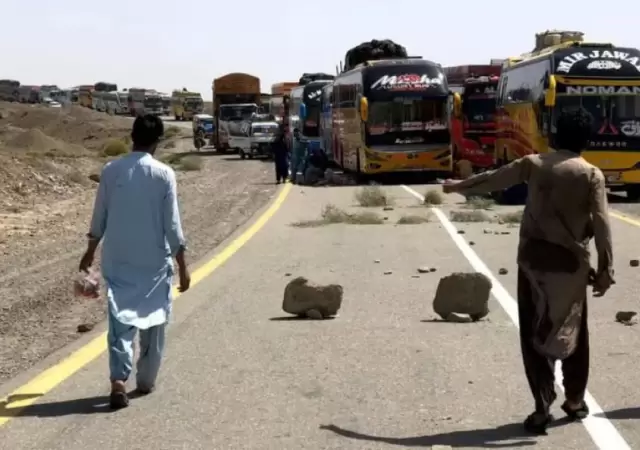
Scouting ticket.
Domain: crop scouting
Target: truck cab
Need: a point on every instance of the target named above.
(257, 136)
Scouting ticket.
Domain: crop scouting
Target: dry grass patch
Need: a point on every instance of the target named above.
(433, 197)
(479, 203)
(469, 216)
(191, 162)
(171, 132)
(332, 214)
(170, 144)
(115, 147)
(413, 219)
(514, 217)
(372, 196)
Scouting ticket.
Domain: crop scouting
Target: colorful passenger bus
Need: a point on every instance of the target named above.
(304, 112)
(326, 120)
(391, 116)
(601, 78)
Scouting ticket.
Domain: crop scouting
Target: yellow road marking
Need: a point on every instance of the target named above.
(625, 218)
(53, 376)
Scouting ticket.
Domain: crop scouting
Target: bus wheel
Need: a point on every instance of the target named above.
(242, 155)
(633, 192)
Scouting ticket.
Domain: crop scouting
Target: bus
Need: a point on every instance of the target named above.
(98, 101)
(391, 116)
(326, 120)
(9, 90)
(239, 94)
(29, 94)
(186, 104)
(563, 74)
(472, 113)
(115, 103)
(85, 94)
(304, 112)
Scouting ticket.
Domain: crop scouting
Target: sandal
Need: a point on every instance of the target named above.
(537, 423)
(576, 413)
(118, 400)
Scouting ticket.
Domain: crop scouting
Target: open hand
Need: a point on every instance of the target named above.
(450, 186)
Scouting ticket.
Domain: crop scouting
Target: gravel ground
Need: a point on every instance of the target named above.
(38, 312)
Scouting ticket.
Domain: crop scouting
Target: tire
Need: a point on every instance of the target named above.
(633, 193)
(242, 155)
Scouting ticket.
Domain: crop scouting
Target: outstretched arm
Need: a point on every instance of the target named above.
(512, 174)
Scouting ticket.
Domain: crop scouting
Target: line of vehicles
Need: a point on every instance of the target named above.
(105, 97)
(412, 114)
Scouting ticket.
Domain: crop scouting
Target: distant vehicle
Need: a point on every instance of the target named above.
(144, 101)
(203, 127)
(473, 113)
(9, 90)
(98, 101)
(115, 103)
(278, 106)
(326, 120)
(166, 104)
(85, 95)
(235, 96)
(62, 96)
(48, 101)
(29, 94)
(185, 104)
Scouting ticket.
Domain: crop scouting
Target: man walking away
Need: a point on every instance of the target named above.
(280, 157)
(136, 216)
(566, 207)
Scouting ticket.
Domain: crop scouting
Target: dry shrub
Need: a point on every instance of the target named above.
(115, 147)
(191, 162)
(479, 203)
(511, 217)
(413, 220)
(331, 214)
(433, 197)
(469, 216)
(372, 196)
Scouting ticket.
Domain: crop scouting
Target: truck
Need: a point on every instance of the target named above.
(185, 104)
(29, 94)
(472, 113)
(236, 97)
(144, 101)
(280, 92)
(166, 104)
(562, 73)
(9, 90)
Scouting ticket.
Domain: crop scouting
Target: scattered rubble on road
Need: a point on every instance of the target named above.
(305, 298)
(463, 293)
(627, 317)
(634, 263)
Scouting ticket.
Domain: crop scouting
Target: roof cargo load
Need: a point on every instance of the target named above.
(372, 51)
(307, 78)
(551, 38)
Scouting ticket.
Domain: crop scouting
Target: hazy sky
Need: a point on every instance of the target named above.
(166, 45)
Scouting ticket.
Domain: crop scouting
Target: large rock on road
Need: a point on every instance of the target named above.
(463, 293)
(303, 298)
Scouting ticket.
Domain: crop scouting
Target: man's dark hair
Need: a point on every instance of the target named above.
(147, 131)
(573, 130)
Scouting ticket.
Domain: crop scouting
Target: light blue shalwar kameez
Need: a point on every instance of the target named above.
(136, 215)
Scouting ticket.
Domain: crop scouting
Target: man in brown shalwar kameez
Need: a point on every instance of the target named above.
(566, 207)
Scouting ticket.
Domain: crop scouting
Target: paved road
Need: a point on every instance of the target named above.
(381, 375)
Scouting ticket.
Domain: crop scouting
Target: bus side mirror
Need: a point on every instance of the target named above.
(457, 105)
(550, 95)
(364, 109)
(303, 111)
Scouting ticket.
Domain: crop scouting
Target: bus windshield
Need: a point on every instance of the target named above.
(614, 118)
(479, 109)
(407, 120)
